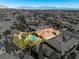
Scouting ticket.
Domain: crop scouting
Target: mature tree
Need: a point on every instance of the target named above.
(22, 23)
(7, 32)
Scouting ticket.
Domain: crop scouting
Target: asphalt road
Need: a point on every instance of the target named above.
(7, 56)
(70, 34)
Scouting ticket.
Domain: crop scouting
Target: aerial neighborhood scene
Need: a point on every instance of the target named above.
(39, 29)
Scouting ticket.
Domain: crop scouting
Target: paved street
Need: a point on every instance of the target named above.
(7, 56)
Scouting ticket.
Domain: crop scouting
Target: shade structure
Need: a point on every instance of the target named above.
(48, 33)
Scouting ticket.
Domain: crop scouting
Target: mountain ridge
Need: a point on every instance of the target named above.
(3, 6)
(47, 8)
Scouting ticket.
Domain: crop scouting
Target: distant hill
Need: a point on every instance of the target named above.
(37, 8)
(47, 8)
(67, 8)
(25, 7)
(3, 6)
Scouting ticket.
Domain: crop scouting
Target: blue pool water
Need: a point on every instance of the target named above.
(34, 38)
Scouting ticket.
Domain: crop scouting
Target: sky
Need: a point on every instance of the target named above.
(38, 3)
